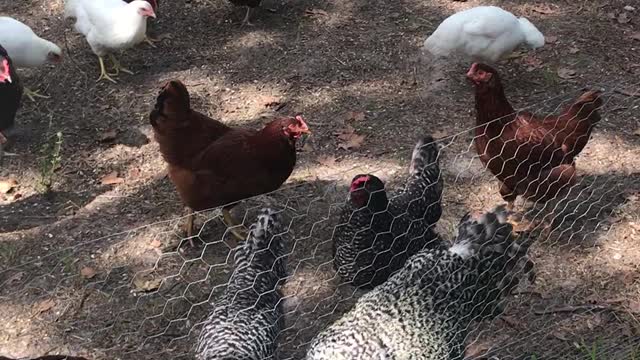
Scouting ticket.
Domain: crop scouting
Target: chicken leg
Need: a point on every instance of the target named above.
(238, 230)
(31, 94)
(189, 226)
(246, 17)
(104, 75)
(117, 67)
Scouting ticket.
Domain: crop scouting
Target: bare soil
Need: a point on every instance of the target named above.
(93, 269)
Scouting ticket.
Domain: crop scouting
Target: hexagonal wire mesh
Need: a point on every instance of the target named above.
(154, 298)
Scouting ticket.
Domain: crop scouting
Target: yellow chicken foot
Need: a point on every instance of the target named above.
(150, 41)
(104, 75)
(238, 230)
(33, 94)
(117, 67)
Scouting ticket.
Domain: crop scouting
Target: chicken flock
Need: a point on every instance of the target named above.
(422, 291)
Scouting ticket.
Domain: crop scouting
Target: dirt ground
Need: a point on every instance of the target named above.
(91, 267)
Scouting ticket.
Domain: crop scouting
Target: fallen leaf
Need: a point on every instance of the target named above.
(623, 18)
(270, 101)
(574, 50)
(7, 185)
(629, 8)
(314, 13)
(354, 142)
(134, 173)
(634, 306)
(87, 272)
(636, 36)
(566, 73)
(155, 243)
(512, 321)
(532, 62)
(144, 285)
(346, 133)
(44, 305)
(543, 10)
(559, 334)
(355, 116)
(111, 179)
(326, 160)
(550, 39)
(439, 134)
(108, 135)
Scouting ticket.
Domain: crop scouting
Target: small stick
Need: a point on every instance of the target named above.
(627, 92)
(565, 309)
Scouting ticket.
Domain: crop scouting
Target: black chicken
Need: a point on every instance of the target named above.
(10, 97)
(377, 235)
(423, 312)
(246, 321)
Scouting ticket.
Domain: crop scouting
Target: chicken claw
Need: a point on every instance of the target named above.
(238, 230)
(34, 94)
(117, 67)
(103, 72)
(246, 21)
(150, 41)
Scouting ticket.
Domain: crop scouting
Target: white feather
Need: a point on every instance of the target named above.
(25, 48)
(484, 33)
(108, 24)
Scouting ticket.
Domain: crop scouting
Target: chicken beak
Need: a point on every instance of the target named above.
(472, 70)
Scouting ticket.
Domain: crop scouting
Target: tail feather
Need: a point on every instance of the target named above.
(587, 105)
(491, 232)
(425, 155)
(533, 36)
(263, 248)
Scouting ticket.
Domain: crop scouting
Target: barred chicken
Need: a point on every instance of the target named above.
(247, 319)
(377, 235)
(425, 310)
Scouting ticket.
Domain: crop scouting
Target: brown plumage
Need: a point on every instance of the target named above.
(212, 164)
(532, 156)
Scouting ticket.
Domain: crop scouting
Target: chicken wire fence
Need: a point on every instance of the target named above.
(153, 299)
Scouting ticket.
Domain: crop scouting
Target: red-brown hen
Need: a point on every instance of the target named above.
(531, 156)
(212, 164)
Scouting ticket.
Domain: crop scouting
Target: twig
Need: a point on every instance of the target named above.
(565, 309)
(627, 92)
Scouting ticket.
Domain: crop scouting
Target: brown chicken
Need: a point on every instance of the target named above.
(531, 156)
(212, 164)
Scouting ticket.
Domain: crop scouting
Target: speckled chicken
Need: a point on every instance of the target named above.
(425, 310)
(377, 235)
(247, 319)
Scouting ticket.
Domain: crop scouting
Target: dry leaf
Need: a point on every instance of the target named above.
(134, 173)
(543, 10)
(144, 285)
(439, 134)
(111, 179)
(108, 135)
(634, 307)
(550, 39)
(574, 50)
(346, 133)
(7, 185)
(155, 243)
(355, 116)
(87, 272)
(566, 73)
(326, 160)
(532, 62)
(270, 101)
(623, 18)
(636, 36)
(354, 142)
(44, 305)
(314, 13)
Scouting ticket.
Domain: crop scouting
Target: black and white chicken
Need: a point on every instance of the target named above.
(110, 25)
(377, 235)
(424, 310)
(26, 48)
(247, 319)
(10, 97)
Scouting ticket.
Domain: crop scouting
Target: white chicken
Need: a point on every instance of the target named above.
(26, 48)
(110, 25)
(483, 33)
